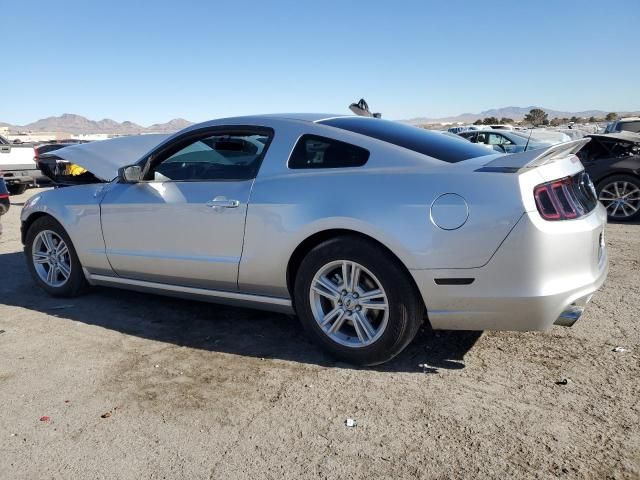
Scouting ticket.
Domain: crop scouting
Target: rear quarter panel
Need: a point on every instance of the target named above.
(388, 200)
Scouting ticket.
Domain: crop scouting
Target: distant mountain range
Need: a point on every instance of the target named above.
(515, 113)
(77, 124)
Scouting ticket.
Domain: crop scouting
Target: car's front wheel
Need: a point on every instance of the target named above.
(620, 195)
(357, 301)
(52, 260)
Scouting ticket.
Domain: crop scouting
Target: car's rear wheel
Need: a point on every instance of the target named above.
(620, 195)
(52, 259)
(17, 188)
(357, 301)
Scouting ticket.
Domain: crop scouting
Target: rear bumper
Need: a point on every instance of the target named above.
(543, 274)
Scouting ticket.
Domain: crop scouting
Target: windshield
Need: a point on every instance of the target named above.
(435, 145)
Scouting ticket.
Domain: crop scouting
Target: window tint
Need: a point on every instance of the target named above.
(215, 157)
(482, 138)
(630, 126)
(471, 136)
(497, 139)
(319, 152)
(417, 139)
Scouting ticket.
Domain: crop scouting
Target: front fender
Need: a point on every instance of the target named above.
(77, 209)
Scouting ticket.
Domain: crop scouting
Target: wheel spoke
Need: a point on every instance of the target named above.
(345, 275)
(61, 249)
(64, 270)
(609, 195)
(52, 274)
(330, 316)
(634, 208)
(617, 205)
(326, 288)
(363, 327)
(372, 295)
(635, 190)
(40, 257)
(374, 305)
(354, 278)
(338, 323)
(47, 240)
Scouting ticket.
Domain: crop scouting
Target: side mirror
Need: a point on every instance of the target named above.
(131, 174)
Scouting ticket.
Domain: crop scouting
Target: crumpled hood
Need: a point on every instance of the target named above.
(105, 157)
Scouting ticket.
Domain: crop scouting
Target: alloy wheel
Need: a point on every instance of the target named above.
(349, 303)
(621, 199)
(51, 258)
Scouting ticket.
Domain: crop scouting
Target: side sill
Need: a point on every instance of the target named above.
(275, 304)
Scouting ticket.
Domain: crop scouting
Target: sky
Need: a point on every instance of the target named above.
(151, 61)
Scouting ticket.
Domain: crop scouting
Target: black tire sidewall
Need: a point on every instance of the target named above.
(17, 189)
(619, 178)
(405, 308)
(76, 282)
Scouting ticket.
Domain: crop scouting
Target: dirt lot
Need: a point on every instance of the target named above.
(194, 390)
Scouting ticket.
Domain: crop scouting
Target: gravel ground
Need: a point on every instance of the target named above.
(139, 386)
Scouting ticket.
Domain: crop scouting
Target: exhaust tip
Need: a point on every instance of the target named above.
(573, 312)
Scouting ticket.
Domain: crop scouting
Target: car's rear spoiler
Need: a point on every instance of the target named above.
(533, 158)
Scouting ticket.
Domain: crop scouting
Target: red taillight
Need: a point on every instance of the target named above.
(3, 196)
(36, 155)
(558, 200)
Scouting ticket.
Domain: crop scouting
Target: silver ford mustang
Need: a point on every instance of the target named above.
(363, 227)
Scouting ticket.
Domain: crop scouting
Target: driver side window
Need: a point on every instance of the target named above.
(219, 156)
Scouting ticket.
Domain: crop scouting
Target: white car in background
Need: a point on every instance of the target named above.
(18, 166)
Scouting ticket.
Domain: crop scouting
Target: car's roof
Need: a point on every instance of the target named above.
(305, 117)
(252, 119)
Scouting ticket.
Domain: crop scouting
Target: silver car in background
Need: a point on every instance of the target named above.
(362, 227)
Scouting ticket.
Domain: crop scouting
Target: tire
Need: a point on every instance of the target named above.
(17, 188)
(619, 188)
(385, 332)
(70, 285)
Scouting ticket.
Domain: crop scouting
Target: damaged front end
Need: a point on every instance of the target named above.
(95, 162)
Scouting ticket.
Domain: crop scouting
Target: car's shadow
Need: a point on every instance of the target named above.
(214, 327)
(617, 222)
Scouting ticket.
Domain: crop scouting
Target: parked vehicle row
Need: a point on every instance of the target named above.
(613, 162)
(504, 141)
(361, 226)
(4, 200)
(628, 124)
(17, 165)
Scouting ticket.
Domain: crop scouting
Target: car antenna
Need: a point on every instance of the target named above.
(527, 145)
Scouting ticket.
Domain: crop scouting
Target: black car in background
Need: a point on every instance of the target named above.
(4, 200)
(613, 163)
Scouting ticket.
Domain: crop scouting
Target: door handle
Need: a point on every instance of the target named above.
(223, 202)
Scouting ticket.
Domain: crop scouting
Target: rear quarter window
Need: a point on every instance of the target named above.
(313, 151)
(442, 147)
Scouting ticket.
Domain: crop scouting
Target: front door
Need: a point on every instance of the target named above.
(184, 223)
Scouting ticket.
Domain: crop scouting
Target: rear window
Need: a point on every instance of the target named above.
(630, 126)
(441, 147)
